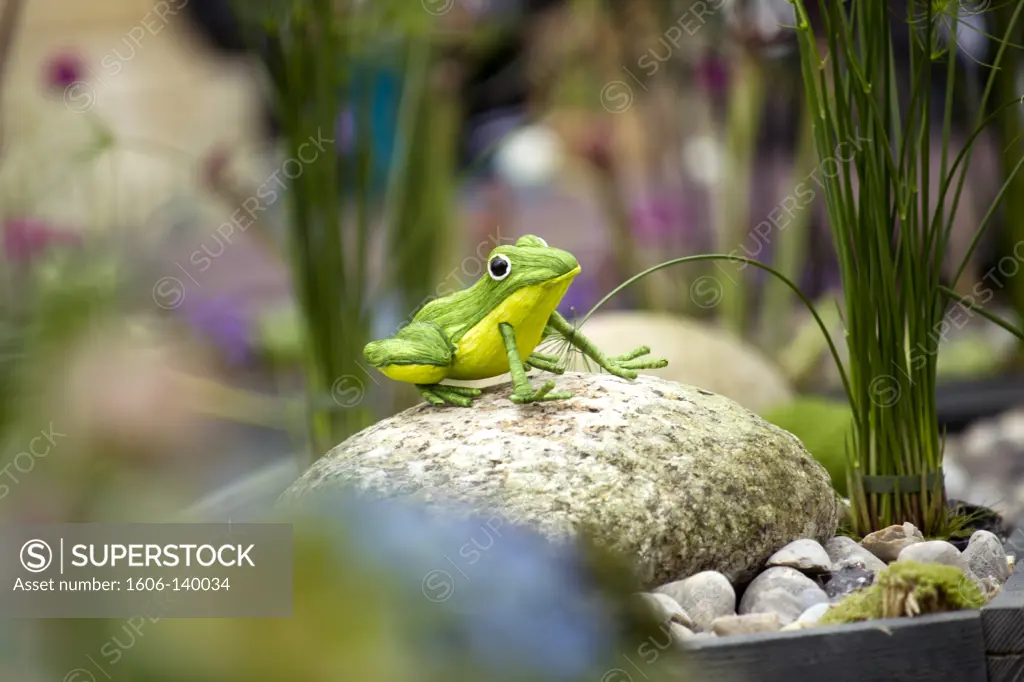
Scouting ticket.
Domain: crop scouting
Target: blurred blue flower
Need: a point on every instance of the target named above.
(498, 593)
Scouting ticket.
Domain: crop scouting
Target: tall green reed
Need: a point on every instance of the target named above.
(890, 238)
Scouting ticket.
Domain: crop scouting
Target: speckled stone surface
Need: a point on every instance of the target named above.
(678, 478)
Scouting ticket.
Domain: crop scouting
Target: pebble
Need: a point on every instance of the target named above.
(747, 624)
(847, 580)
(665, 608)
(940, 552)
(798, 625)
(784, 591)
(986, 556)
(704, 597)
(807, 556)
(886, 544)
(680, 633)
(933, 552)
(844, 551)
(814, 614)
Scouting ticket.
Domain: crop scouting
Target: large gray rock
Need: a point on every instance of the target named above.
(678, 478)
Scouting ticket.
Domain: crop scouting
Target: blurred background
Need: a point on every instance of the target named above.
(208, 208)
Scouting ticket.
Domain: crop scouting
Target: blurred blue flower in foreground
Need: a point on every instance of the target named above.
(384, 591)
(498, 596)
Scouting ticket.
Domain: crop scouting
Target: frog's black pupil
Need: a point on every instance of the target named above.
(499, 266)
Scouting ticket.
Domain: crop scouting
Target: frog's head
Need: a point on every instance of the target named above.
(530, 262)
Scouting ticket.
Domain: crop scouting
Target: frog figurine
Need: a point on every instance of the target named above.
(493, 327)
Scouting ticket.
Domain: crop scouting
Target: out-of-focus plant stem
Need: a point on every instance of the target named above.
(1010, 130)
(8, 24)
(314, 73)
(789, 249)
(733, 214)
(422, 187)
(620, 224)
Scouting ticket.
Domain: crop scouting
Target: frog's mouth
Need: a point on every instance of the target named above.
(562, 278)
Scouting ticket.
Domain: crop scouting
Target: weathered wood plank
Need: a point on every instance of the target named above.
(945, 646)
(1002, 619)
(1006, 668)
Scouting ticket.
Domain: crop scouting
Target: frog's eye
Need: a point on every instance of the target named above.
(499, 267)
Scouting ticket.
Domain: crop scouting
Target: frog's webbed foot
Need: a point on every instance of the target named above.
(523, 394)
(441, 394)
(627, 364)
(547, 363)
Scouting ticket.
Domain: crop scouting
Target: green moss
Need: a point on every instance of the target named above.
(824, 427)
(911, 588)
(908, 588)
(865, 604)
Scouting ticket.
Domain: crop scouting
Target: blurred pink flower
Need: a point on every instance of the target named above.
(63, 69)
(215, 166)
(25, 238)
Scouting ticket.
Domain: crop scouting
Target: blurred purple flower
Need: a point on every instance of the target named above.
(220, 321)
(345, 131)
(663, 219)
(63, 69)
(712, 74)
(25, 238)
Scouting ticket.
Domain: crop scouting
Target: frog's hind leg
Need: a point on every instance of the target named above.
(547, 363)
(440, 394)
(419, 353)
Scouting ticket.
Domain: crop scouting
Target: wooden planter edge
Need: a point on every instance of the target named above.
(985, 645)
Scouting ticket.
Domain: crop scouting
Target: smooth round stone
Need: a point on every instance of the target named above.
(784, 591)
(748, 624)
(814, 614)
(886, 544)
(703, 597)
(933, 552)
(807, 556)
(986, 556)
(845, 551)
(665, 609)
(680, 633)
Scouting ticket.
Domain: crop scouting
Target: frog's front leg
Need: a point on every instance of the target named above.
(624, 366)
(522, 391)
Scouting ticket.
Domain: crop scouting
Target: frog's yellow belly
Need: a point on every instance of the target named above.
(481, 351)
(415, 374)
